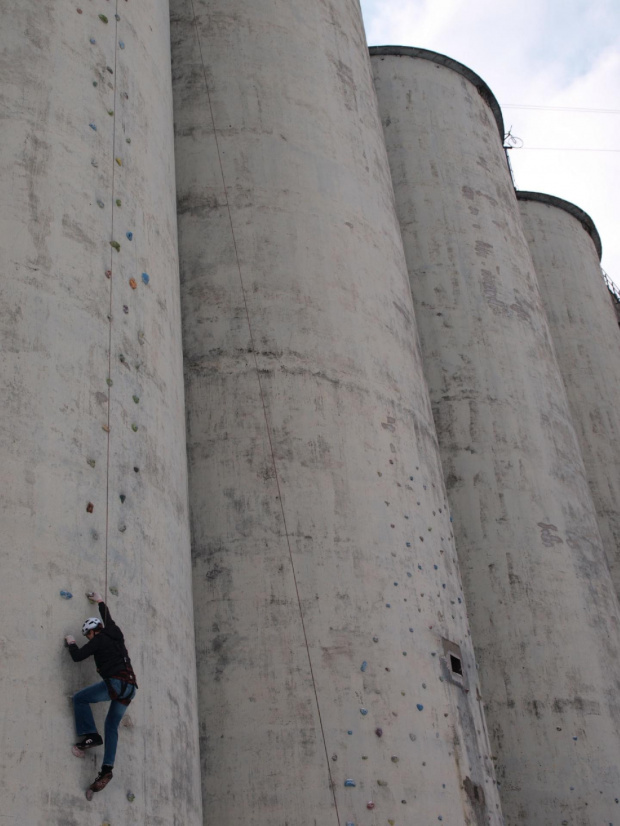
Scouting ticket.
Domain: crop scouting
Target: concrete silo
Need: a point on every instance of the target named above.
(336, 672)
(566, 250)
(92, 432)
(540, 599)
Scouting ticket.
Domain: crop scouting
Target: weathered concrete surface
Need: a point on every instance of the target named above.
(325, 574)
(543, 611)
(584, 328)
(57, 348)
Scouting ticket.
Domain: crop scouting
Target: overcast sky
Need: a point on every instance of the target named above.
(547, 53)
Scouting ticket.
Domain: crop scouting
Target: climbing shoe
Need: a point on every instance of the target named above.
(89, 742)
(102, 780)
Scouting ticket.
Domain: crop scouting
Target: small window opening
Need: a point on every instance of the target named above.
(456, 665)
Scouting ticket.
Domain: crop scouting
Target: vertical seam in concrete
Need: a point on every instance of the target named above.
(111, 317)
(262, 397)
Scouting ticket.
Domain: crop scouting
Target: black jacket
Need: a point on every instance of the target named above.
(108, 649)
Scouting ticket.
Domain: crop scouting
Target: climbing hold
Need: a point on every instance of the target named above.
(122, 528)
(79, 11)
(131, 797)
(136, 470)
(382, 783)
(419, 567)
(391, 822)
(125, 95)
(394, 759)
(93, 126)
(363, 711)
(134, 427)
(349, 783)
(451, 519)
(423, 685)
(122, 358)
(409, 574)
(440, 817)
(127, 140)
(115, 245)
(90, 507)
(396, 583)
(91, 462)
(370, 805)
(125, 309)
(94, 535)
(121, 44)
(110, 112)
(103, 18)
(412, 737)
(110, 69)
(129, 236)
(118, 202)
(443, 584)
(364, 665)
(117, 16)
(349, 823)
(387, 605)
(118, 161)
(574, 738)
(411, 630)
(122, 497)
(408, 544)
(379, 732)
(105, 427)
(436, 567)
(114, 590)
(93, 41)
(419, 707)
(133, 283)
(334, 757)
(349, 731)
(66, 594)
(375, 639)
(109, 382)
(94, 163)
(108, 273)
(145, 277)
(404, 653)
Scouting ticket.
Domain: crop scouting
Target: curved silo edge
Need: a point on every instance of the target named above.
(443, 60)
(584, 219)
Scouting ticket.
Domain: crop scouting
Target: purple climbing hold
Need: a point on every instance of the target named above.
(379, 732)
(419, 707)
(129, 236)
(93, 126)
(364, 666)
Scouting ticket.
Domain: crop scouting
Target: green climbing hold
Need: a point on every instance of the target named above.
(115, 245)
(103, 18)
(118, 202)
(134, 427)
(127, 140)
(109, 382)
(95, 84)
(381, 782)
(131, 797)
(91, 462)
(114, 590)
(110, 112)
(136, 399)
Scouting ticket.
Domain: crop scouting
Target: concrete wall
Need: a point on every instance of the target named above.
(542, 606)
(325, 574)
(63, 329)
(584, 327)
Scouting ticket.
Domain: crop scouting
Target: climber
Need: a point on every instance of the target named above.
(107, 644)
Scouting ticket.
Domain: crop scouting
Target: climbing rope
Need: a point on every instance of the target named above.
(267, 428)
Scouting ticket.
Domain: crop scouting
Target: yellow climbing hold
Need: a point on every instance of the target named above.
(133, 283)
(119, 162)
(105, 427)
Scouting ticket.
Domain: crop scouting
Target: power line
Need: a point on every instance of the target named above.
(565, 149)
(584, 109)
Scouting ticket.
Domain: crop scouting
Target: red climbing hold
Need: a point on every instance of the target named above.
(90, 507)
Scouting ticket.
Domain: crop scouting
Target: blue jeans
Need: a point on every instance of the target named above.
(85, 723)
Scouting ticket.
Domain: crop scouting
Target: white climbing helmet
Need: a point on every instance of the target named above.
(91, 624)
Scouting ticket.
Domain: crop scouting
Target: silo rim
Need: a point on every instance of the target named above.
(584, 219)
(443, 60)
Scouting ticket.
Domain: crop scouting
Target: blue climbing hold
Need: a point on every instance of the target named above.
(409, 574)
(129, 236)
(411, 630)
(387, 605)
(93, 126)
(460, 600)
(145, 277)
(408, 544)
(350, 783)
(349, 731)
(420, 707)
(396, 583)
(364, 666)
(363, 711)
(451, 519)
(436, 567)
(443, 584)
(66, 594)
(419, 567)
(574, 738)
(93, 41)
(411, 478)
(121, 44)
